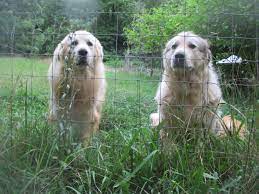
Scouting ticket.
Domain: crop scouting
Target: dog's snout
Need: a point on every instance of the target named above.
(179, 56)
(82, 52)
(82, 57)
(179, 60)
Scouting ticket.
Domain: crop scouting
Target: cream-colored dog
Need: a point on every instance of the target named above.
(189, 92)
(77, 82)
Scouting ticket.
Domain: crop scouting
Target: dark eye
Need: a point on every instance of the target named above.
(174, 46)
(74, 43)
(192, 46)
(89, 43)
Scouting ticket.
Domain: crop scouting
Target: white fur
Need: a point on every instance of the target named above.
(194, 89)
(86, 82)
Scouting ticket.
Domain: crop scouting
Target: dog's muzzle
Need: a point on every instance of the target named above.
(179, 60)
(82, 57)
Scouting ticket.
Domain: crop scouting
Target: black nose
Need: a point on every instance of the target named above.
(179, 60)
(82, 53)
(179, 56)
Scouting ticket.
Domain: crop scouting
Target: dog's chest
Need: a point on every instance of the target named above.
(78, 90)
(83, 98)
(188, 93)
(84, 89)
(188, 98)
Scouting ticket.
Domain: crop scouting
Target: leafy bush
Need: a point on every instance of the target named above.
(218, 20)
(35, 27)
(229, 25)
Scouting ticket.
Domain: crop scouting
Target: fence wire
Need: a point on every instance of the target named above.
(132, 76)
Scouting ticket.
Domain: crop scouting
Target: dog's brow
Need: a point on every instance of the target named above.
(193, 41)
(174, 42)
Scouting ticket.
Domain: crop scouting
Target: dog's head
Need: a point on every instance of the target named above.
(186, 51)
(82, 49)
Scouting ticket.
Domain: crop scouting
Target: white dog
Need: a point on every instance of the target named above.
(77, 82)
(189, 92)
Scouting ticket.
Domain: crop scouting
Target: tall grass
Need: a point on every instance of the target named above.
(124, 157)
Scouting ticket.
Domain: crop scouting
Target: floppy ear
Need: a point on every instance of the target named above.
(166, 59)
(98, 52)
(56, 54)
(209, 55)
(61, 51)
(64, 46)
(208, 52)
(69, 38)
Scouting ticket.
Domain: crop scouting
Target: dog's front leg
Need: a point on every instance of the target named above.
(162, 99)
(53, 106)
(212, 122)
(91, 127)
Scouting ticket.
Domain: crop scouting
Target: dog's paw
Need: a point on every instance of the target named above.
(233, 125)
(154, 119)
(163, 134)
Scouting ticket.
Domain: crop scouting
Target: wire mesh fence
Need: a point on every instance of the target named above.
(134, 68)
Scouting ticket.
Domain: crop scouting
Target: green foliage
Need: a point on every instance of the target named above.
(150, 31)
(114, 16)
(35, 27)
(230, 27)
(109, 24)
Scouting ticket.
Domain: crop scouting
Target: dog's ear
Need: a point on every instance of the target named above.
(166, 59)
(208, 51)
(98, 52)
(64, 50)
(61, 50)
(70, 37)
(57, 54)
(209, 55)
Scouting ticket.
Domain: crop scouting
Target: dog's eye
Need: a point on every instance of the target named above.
(74, 43)
(89, 43)
(192, 46)
(174, 46)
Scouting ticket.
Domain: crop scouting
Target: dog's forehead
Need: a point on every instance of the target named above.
(186, 39)
(84, 36)
(81, 36)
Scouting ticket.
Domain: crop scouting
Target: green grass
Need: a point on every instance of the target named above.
(124, 157)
